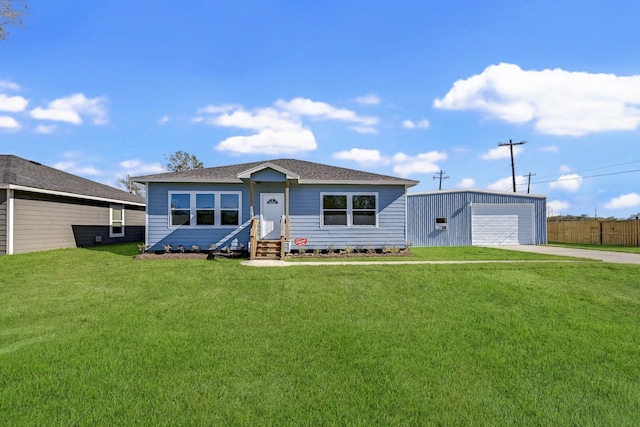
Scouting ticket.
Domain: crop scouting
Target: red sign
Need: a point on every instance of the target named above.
(300, 241)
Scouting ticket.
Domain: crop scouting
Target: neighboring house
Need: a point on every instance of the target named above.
(280, 204)
(474, 217)
(43, 208)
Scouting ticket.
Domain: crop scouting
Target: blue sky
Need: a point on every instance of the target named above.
(404, 88)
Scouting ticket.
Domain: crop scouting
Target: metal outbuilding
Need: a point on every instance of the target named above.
(476, 218)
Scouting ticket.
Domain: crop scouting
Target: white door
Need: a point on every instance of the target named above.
(502, 224)
(271, 211)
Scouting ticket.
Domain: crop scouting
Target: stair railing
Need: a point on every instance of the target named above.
(253, 238)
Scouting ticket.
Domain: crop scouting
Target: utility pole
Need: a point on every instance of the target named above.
(513, 169)
(441, 177)
(529, 182)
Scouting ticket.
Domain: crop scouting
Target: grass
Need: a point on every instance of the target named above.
(630, 249)
(93, 337)
(458, 253)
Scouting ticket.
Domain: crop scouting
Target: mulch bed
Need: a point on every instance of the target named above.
(190, 255)
(206, 255)
(352, 255)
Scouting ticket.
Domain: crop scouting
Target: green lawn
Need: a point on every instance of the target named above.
(93, 337)
(630, 249)
(459, 253)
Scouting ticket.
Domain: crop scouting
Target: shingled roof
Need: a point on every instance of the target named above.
(302, 171)
(18, 173)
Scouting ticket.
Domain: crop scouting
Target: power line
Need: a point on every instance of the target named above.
(587, 176)
(600, 167)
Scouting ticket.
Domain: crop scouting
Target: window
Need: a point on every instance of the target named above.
(349, 209)
(364, 210)
(180, 211)
(334, 210)
(116, 221)
(441, 223)
(229, 209)
(204, 209)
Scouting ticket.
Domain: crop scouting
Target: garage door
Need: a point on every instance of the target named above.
(502, 224)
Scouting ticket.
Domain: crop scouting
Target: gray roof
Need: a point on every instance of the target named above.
(18, 172)
(302, 171)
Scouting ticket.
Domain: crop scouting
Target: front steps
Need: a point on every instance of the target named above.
(268, 249)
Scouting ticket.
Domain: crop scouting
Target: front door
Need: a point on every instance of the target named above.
(271, 211)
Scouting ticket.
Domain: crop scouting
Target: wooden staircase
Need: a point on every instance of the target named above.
(268, 249)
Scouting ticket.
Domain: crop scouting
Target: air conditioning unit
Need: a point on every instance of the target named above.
(441, 226)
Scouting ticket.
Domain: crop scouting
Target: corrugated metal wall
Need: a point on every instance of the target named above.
(424, 208)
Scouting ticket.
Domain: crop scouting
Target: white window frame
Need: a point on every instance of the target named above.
(350, 209)
(111, 221)
(193, 210)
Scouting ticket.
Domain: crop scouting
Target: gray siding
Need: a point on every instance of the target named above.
(44, 222)
(423, 209)
(159, 233)
(3, 222)
(268, 175)
(304, 211)
(305, 218)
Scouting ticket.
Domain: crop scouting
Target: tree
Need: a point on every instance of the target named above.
(181, 161)
(132, 187)
(9, 16)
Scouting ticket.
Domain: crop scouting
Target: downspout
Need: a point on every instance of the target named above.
(406, 217)
(286, 204)
(251, 210)
(9, 230)
(146, 215)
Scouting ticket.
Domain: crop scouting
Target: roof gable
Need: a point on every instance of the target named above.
(303, 171)
(17, 172)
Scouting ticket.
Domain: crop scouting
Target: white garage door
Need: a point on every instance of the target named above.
(502, 224)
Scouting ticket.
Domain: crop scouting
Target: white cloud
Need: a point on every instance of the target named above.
(72, 108)
(625, 201)
(502, 152)
(422, 163)
(506, 184)
(364, 129)
(467, 183)
(369, 99)
(138, 167)
(12, 104)
(570, 182)
(323, 111)
(422, 124)
(556, 207)
(216, 109)
(163, 120)
(271, 141)
(74, 168)
(46, 129)
(265, 118)
(565, 168)
(7, 85)
(280, 129)
(558, 102)
(362, 156)
(549, 149)
(9, 123)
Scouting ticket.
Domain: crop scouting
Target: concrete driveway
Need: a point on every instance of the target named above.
(606, 256)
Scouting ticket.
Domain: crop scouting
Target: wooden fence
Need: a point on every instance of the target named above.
(616, 233)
